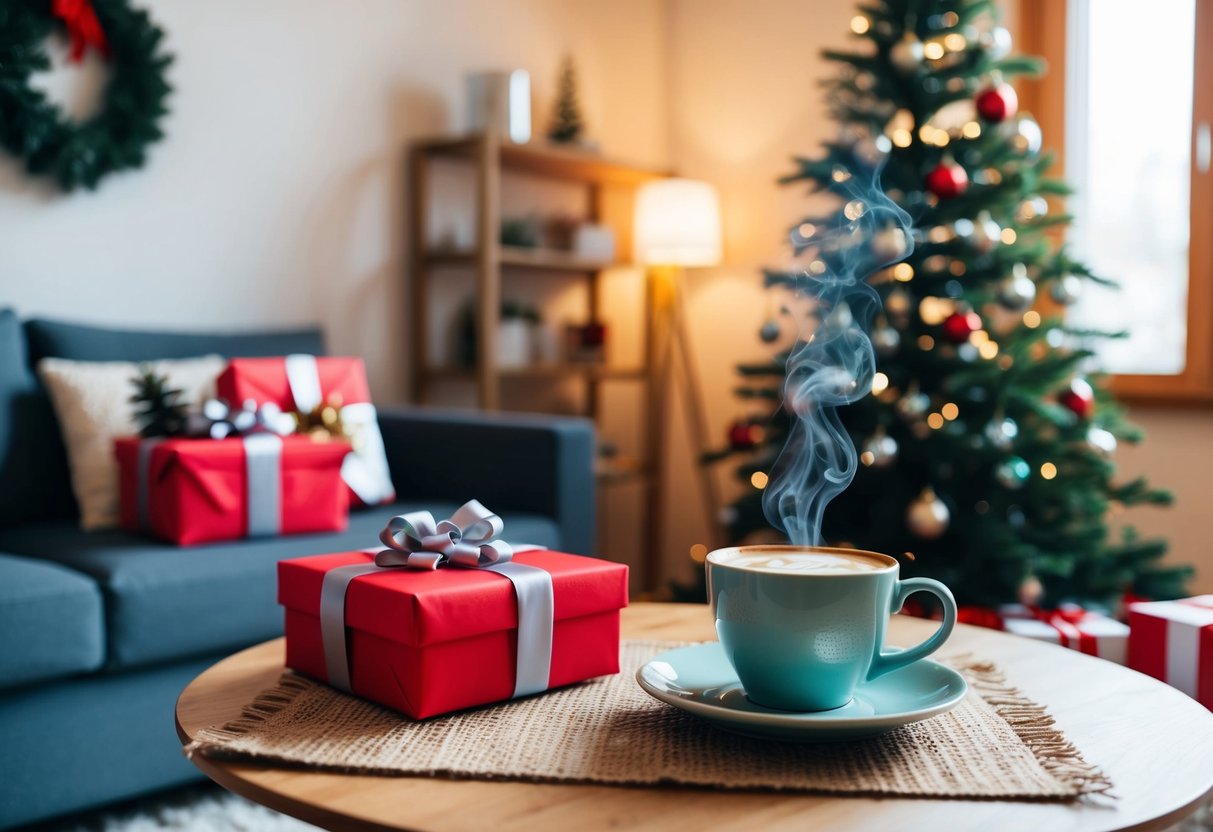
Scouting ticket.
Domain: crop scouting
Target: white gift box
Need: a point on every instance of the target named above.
(1173, 641)
(1087, 632)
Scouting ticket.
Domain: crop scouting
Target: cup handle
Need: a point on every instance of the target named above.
(883, 662)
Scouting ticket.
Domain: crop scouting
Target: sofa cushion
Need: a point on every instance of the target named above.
(163, 602)
(51, 622)
(59, 339)
(43, 490)
(31, 456)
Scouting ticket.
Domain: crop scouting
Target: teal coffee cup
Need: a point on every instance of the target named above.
(803, 626)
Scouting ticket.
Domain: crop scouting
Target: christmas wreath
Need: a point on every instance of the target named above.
(117, 137)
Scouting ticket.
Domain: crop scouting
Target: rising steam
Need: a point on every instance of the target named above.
(834, 364)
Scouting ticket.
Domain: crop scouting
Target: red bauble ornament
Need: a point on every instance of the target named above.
(997, 103)
(1078, 398)
(947, 180)
(744, 436)
(958, 326)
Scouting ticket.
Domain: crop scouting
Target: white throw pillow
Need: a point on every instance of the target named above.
(92, 403)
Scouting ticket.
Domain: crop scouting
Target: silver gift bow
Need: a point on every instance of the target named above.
(416, 541)
(218, 420)
(464, 540)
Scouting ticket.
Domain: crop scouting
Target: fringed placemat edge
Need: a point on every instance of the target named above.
(1035, 727)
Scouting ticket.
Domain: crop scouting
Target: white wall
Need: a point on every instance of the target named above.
(278, 195)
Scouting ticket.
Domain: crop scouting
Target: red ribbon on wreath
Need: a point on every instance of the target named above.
(83, 27)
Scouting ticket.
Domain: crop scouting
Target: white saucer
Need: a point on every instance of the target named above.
(699, 680)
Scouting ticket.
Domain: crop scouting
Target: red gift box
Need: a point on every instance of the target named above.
(303, 382)
(1173, 641)
(192, 491)
(425, 642)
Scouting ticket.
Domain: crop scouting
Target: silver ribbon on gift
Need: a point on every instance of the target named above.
(466, 540)
(364, 470)
(263, 465)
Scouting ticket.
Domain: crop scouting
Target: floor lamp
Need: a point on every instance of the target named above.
(677, 226)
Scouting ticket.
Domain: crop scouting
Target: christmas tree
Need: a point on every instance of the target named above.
(983, 446)
(566, 124)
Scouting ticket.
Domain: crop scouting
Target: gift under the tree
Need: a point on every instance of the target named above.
(1173, 641)
(1070, 626)
(449, 618)
(191, 491)
(329, 394)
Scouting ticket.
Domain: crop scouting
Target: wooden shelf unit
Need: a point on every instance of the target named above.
(495, 264)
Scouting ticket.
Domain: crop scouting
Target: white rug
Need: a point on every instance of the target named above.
(205, 808)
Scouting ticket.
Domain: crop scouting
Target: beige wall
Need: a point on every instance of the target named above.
(278, 196)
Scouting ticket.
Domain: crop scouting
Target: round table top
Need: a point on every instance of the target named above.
(1154, 743)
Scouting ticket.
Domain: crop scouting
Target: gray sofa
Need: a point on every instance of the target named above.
(100, 631)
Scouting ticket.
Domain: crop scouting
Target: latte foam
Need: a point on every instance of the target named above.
(818, 563)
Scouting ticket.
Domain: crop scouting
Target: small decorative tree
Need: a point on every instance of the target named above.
(566, 124)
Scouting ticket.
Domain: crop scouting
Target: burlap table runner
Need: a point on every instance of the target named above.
(995, 744)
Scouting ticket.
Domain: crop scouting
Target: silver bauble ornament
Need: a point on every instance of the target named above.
(1017, 292)
(872, 150)
(1031, 591)
(879, 451)
(897, 303)
(1024, 134)
(885, 340)
(984, 234)
(906, 54)
(889, 244)
(928, 517)
(1067, 290)
(997, 42)
(913, 405)
(1001, 433)
(1101, 440)
(1030, 209)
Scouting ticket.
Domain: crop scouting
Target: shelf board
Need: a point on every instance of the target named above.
(539, 258)
(550, 161)
(525, 258)
(620, 469)
(595, 372)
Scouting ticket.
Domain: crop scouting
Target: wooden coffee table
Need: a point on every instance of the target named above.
(1155, 743)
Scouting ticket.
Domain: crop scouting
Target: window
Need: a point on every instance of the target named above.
(1126, 105)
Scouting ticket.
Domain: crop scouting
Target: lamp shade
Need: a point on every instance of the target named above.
(677, 224)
